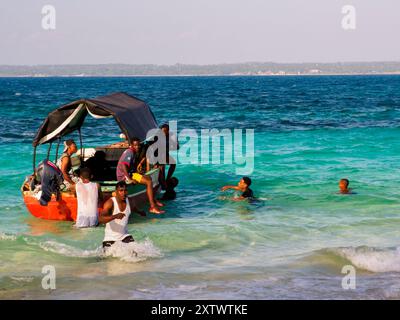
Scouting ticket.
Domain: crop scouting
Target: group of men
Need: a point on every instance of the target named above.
(115, 213)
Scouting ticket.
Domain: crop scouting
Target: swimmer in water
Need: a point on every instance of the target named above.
(242, 186)
(344, 187)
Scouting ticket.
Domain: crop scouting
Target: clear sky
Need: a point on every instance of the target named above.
(198, 31)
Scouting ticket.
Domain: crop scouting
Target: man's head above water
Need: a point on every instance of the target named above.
(344, 185)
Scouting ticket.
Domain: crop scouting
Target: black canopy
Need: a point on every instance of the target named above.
(133, 116)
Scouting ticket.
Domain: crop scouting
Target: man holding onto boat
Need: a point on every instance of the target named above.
(88, 194)
(126, 172)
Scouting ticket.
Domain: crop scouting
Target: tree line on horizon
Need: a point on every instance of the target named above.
(250, 68)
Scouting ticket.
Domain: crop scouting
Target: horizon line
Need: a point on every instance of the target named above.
(200, 65)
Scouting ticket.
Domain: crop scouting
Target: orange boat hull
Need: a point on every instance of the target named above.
(65, 209)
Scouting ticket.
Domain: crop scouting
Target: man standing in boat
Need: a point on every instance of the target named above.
(126, 172)
(174, 145)
(65, 165)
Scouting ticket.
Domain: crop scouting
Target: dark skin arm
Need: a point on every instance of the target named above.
(65, 164)
(106, 215)
(235, 188)
(231, 187)
(147, 165)
(100, 192)
(140, 165)
(125, 171)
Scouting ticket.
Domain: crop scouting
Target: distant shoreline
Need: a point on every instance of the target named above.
(183, 70)
(200, 75)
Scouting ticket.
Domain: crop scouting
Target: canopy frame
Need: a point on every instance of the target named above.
(133, 116)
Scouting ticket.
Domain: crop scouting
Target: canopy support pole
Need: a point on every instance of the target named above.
(34, 158)
(58, 146)
(80, 140)
(48, 150)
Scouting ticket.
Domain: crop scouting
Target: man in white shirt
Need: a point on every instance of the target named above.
(115, 215)
(88, 194)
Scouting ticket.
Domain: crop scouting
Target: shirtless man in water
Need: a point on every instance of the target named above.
(344, 187)
(242, 186)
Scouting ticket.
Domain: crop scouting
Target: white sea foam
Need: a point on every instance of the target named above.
(134, 251)
(372, 259)
(130, 252)
(10, 237)
(22, 279)
(69, 251)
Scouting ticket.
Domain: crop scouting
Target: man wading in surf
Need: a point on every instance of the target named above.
(115, 215)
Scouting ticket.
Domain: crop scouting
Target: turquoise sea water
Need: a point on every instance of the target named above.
(293, 243)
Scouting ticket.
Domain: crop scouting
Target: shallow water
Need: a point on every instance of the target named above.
(293, 243)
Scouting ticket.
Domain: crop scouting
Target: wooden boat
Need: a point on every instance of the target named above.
(134, 118)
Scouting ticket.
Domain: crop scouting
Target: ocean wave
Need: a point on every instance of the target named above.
(129, 252)
(371, 259)
(22, 278)
(69, 251)
(8, 237)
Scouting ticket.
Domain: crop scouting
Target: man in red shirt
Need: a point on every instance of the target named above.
(126, 172)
